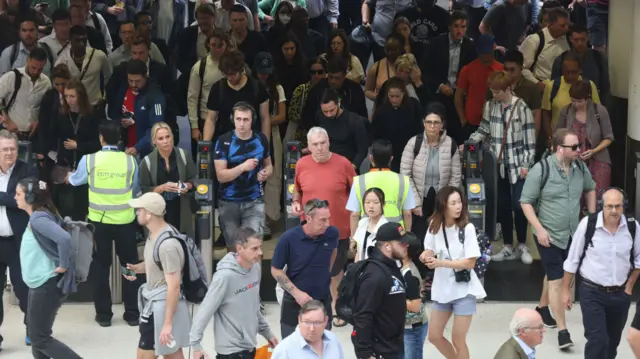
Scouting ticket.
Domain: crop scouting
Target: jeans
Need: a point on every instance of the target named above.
(234, 215)
(509, 210)
(414, 341)
(10, 258)
(44, 303)
(124, 237)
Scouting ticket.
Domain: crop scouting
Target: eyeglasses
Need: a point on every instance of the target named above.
(317, 72)
(611, 207)
(538, 328)
(9, 150)
(433, 123)
(317, 204)
(312, 324)
(572, 147)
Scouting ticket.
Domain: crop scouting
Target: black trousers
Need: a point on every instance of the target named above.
(71, 201)
(124, 237)
(10, 258)
(321, 25)
(603, 316)
(44, 303)
(245, 354)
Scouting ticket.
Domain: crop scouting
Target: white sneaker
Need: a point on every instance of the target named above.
(506, 254)
(525, 255)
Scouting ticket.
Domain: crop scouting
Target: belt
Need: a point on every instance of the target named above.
(612, 289)
(414, 325)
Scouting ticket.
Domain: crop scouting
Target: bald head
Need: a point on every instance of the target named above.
(612, 195)
(612, 206)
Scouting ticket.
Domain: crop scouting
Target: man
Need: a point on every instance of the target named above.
(163, 329)
(16, 55)
(381, 26)
(250, 42)
(223, 15)
(634, 335)
(556, 197)
(595, 66)
(22, 107)
(13, 221)
(243, 164)
(115, 13)
(598, 23)
(472, 86)
(309, 253)
(605, 290)
(351, 95)
(94, 37)
(144, 22)
(527, 331)
(58, 40)
(233, 300)
(323, 16)
(234, 87)
(428, 20)
(328, 176)
(13, 12)
(88, 65)
(112, 176)
(540, 50)
(138, 105)
(380, 307)
(346, 129)
(123, 52)
(192, 41)
(96, 21)
(313, 42)
(169, 18)
(507, 20)
(441, 72)
(310, 339)
(394, 186)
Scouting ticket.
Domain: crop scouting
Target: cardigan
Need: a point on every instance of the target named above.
(597, 129)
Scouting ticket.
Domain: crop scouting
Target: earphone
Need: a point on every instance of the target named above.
(241, 106)
(625, 201)
(29, 196)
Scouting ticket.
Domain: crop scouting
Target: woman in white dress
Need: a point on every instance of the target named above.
(365, 235)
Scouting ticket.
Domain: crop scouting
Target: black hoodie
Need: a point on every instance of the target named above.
(379, 309)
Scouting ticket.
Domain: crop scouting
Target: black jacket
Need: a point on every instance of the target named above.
(17, 217)
(347, 135)
(159, 74)
(96, 40)
(435, 66)
(101, 6)
(352, 99)
(186, 49)
(379, 309)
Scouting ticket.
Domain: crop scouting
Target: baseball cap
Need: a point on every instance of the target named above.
(263, 63)
(151, 201)
(392, 231)
(484, 44)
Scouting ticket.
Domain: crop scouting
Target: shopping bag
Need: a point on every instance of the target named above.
(263, 352)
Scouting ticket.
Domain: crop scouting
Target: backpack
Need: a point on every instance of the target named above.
(147, 161)
(591, 230)
(194, 275)
(544, 163)
(82, 246)
(420, 139)
(96, 22)
(17, 83)
(350, 285)
(539, 49)
(14, 53)
(484, 242)
(201, 70)
(597, 56)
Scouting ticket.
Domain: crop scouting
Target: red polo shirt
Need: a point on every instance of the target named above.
(473, 79)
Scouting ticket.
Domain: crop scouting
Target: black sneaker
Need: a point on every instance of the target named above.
(547, 319)
(103, 322)
(564, 340)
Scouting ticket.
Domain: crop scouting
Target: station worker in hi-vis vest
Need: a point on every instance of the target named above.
(112, 176)
(399, 200)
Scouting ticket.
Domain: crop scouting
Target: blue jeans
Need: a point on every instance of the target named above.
(414, 339)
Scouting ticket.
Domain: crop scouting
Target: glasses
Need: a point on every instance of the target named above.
(317, 72)
(538, 328)
(433, 123)
(612, 207)
(9, 150)
(572, 147)
(317, 204)
(312, 324)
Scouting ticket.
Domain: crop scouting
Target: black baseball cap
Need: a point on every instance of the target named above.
(392, 231)
(263, 63)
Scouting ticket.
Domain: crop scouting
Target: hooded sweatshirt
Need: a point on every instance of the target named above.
(233, 299)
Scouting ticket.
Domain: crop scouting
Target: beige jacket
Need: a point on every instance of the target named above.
(414, 168)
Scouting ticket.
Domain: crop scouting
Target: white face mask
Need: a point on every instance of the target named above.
(284, 19)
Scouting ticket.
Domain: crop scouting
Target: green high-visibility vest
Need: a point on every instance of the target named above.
(110, 182)
(395, 187)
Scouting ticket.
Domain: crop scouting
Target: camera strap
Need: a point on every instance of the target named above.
(446, 241)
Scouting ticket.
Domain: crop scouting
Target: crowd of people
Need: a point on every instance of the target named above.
(99, 87)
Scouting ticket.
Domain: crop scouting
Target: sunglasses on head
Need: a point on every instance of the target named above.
(317, 204)
(572, 147)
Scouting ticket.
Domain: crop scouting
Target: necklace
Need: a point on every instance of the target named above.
(81, 58)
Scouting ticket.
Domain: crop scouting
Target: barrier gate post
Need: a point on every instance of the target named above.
(25, 151)
(204, 197)
(291, 156)
(474, 183)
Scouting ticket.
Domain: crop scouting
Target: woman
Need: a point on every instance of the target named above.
(291, 67)
(278, 112)
(384, 69)
(431, 161)
(365, 235)
(456, 286)
(75, 133)
(318, 70)
(416, 322)
(281, 18)
(407, 69)
(591, 122)
(47, 268)
(169, 171)
(397, 120)
(339, 46)
(402, 27)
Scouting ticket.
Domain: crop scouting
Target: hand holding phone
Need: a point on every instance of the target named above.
(129, 274)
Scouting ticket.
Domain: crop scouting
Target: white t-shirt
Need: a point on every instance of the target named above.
(445, 288)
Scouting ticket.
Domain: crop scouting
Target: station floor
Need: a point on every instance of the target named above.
(75, 327)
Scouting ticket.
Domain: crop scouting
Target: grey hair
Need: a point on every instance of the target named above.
(8, 135)
(243, 235)
(312, 305)
(517, 324)
(316, 130)
(314, 204)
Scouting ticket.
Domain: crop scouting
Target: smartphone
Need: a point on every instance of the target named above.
(127, 116)
(128, 272)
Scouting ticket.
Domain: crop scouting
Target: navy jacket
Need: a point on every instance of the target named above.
(17, 217)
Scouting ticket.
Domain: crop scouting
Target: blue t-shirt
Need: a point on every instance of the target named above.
(307, 259)
(236, 151)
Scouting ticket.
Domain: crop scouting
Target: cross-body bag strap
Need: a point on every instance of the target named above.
(86, 68)
(446, 241)
(506, 130)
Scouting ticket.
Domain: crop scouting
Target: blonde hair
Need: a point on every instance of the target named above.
(499, 81)
(406, 62)
(159, 126)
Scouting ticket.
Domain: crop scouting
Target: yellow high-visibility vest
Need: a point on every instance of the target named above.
(110, 179)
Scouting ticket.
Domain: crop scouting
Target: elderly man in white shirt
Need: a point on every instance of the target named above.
(527, 331)
(605, 250)
(310, 339)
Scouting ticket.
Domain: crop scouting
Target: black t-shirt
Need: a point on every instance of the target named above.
(172, 199)
(222, 98)
(413, 286)
(253, 44)
(427, 23)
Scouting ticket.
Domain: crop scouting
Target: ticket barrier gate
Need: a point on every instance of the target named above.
(25, 151)
(204, 198)
(292, 153)
(481, 186)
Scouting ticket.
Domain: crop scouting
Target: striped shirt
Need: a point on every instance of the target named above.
(520, 145)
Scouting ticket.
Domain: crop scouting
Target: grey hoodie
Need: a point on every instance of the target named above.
(233, 299)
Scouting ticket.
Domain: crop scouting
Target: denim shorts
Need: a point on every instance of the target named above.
(460, 306)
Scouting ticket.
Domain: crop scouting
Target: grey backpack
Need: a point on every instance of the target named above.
(82, 246)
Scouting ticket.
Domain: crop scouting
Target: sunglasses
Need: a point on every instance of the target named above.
(317, 204)
(572, 147)
(317, 72)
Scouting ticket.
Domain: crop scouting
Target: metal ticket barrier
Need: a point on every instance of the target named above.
(481, 186)
(292, 153)
(25, 151)
(204, 198)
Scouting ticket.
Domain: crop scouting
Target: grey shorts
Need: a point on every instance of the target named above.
(460, 306)
(234, 215)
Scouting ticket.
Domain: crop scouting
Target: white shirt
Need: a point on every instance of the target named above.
(551, 50)
(54, 44)
(104, 30)
(26, 107)
(361, 232)
(21, 59)
(99, 66)
(5, 226)
(296, 347)
(222, 17)
(212, 74)
(201, 44)
(607, 262)
(528, 351)
(445, 288)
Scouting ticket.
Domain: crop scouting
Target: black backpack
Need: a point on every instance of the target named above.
(14, 53)
(484, 242)
(591, 230)
(17, 83)
(350, 285)
(96, 22)
(420, 139)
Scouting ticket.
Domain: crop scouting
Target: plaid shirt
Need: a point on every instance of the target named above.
(520, 144)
